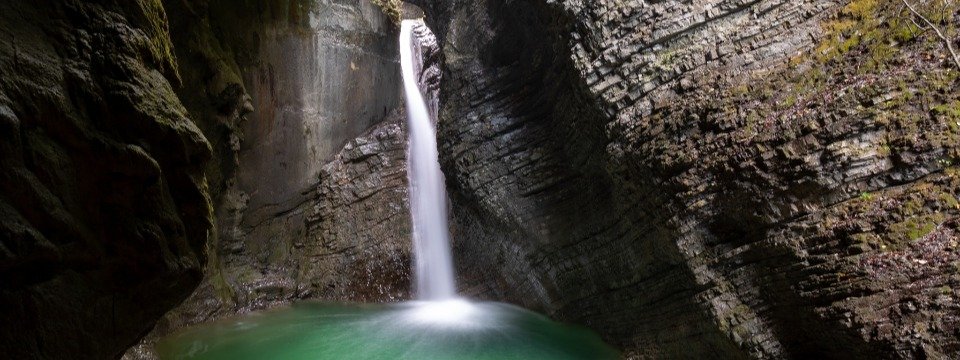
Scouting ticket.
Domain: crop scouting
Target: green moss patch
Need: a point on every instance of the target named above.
(393, 9)
(913, 228)
(876, 28)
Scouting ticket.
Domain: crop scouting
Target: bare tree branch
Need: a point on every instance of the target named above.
(944, 38)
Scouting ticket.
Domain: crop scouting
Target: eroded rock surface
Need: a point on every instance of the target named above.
(346, 236)
(104, 209)
(319, 82)
(728, 179)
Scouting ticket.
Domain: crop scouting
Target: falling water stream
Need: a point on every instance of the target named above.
(439, 325)
(428, 196)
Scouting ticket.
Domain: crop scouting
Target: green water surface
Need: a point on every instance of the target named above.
(386, 331)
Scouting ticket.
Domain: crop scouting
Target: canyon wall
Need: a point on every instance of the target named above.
(104, 205)
(245, 152)
(710, 179)
(317, 204)
(316, 84)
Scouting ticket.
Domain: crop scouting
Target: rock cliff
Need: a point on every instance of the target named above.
(733, 179)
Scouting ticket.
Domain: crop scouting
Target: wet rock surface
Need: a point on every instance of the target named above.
(345, 237)
(348, 241)
(317, 84)
(706, 179)
(309, 88)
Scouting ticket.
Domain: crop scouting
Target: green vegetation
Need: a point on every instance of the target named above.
(158, 46)
(877, 28)
(914, 227)
(951, 112)
(393, 9)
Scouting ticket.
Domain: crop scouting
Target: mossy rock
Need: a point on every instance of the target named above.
(913, 228)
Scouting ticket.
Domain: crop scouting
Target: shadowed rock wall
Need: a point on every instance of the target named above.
(104, 209)
(126, 129)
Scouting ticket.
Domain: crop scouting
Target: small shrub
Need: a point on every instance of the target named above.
(393, 9)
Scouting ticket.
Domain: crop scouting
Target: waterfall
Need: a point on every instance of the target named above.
(428, 197)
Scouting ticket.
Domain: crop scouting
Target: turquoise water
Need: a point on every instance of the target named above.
(414, 330)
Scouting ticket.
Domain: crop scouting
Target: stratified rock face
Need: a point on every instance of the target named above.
(104, 211)
(707, 178)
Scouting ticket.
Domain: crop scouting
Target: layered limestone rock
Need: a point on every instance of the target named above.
(729, 179)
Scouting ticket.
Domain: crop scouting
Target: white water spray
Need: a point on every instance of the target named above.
(428, 196)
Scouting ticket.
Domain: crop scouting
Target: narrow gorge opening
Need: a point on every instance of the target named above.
(439, 325)
(462, 179)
